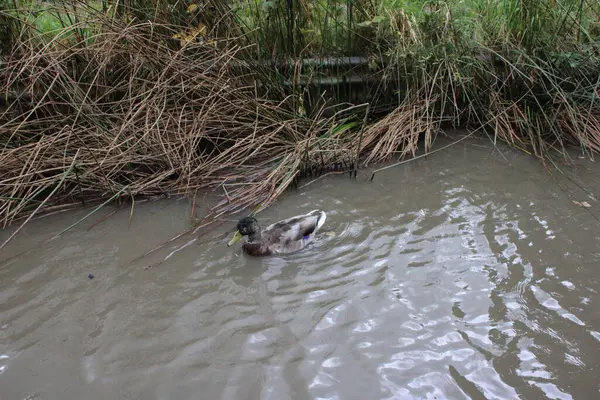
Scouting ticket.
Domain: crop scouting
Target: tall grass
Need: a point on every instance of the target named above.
(153, 98)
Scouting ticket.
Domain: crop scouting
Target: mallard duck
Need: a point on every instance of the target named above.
(285, 236)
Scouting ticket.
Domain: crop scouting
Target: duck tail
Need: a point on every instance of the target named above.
(320, 220)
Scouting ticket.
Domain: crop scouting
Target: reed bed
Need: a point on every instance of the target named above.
(118, 104)
(127, 115)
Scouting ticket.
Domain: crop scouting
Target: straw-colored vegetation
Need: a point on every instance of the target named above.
(150, 99)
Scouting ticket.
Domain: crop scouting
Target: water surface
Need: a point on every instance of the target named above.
(469, 274)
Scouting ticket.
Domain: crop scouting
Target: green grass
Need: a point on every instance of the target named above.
(354, 26)
(48, 22)
(349, 27)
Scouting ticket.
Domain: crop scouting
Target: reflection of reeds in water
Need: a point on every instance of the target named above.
(111, 105)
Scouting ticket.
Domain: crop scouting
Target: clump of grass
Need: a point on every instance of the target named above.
(513, 67)
(524, 70)
(127, 110)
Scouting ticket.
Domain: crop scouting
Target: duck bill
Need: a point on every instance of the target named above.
(235, 238)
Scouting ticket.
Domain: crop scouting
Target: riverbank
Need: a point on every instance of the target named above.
(116, 109)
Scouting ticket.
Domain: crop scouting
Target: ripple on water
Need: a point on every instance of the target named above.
(441, 281)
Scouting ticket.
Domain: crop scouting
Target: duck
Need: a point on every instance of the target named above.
(285, 236)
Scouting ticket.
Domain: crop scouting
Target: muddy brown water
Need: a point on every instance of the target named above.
(469, 274)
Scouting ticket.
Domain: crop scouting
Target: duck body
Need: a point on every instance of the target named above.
(285, 236)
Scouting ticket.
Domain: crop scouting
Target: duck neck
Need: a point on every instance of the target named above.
(254, 237)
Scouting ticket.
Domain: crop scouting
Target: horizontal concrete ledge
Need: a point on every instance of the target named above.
(334, 80)
(310, 62)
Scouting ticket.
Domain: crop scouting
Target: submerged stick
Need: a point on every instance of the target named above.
(360, 137)
(161, 245)
(131, 211)
(421, 156)
(321, 177)
(188, 231)
(193, 214)
(79, 186)
(173, 253)
(89, 214)
(101, 219)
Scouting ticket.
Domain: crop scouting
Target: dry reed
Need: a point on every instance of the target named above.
(128, 112)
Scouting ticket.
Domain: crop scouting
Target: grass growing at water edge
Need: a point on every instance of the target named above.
(159, 99)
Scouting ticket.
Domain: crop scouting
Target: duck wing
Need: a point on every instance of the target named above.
(293, 233)
(309, 225)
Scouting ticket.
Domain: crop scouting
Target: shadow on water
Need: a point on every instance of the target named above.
(464, 275)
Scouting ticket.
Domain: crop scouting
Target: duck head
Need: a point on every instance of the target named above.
(247, 226)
